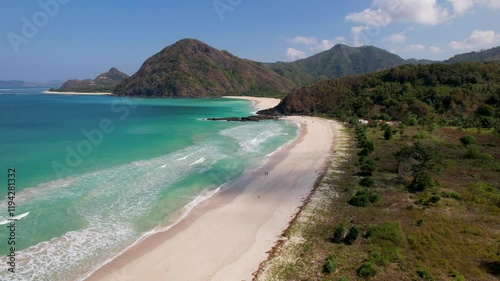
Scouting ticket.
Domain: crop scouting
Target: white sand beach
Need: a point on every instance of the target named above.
(229, 235)
(75, 93)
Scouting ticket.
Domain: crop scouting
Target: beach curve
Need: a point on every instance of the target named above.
(229, 235)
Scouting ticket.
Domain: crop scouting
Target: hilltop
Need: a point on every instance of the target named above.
(191, 68)
(339, 61)
(105, 83)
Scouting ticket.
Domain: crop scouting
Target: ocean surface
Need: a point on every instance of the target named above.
(97, 174)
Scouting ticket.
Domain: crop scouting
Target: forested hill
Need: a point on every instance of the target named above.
(339, 61)
(458, 94)
(191, 68)
(492, 54)
(105, 82)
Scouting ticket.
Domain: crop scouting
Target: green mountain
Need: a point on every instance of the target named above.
(190, 68)
(455, 94)
(339, 61)
(105, 83)
(492, 54)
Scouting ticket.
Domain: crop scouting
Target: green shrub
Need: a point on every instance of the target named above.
(434, 199)
(467, 140)
(359, 201)
(367, 270)
(366, 182)
(342, 278)
(424, 275)
(486, 110)
(410, 121)
(352, 235)
(363, 198)
(367, 148)
(420, 222)
(473, 152)
(457, 276)
(421, 183)
(450, 194)
(368, 167)
(330, 264)
(338, 235)
(388, 133)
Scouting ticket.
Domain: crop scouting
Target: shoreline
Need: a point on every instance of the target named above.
(229, 235)
(76, 93)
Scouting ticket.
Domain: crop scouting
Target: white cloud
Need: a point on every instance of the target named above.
(461, 6)
(415, 48)
(370, 17)
(362, 34)
(477, 40)
(294, 54)
(493, 4)
(328, 44)
(314, 44)
(384, 12)
(303, 40)
(434, 49)
(395, 38)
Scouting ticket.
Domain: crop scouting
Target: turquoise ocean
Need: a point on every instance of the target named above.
(97, 173)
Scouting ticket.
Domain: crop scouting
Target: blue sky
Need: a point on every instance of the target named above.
(42, 40)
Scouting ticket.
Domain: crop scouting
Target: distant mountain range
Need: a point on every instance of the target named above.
(19, 83)
(104, 83)
(191, 68)
(339, 61)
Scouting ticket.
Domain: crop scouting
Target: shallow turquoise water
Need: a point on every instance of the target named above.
(97, 173)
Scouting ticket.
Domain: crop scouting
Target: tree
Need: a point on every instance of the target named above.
(352, 235)
(367, 167)
(388, 133)
(467, 140)
(422, 159)
(330, 264)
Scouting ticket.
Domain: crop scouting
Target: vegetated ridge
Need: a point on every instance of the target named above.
(461, 94)
(191, 68)
(339, 61)
(104, 83)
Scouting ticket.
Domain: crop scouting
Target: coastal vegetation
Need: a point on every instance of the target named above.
(462, 94)
(443, 229)
(417, 195)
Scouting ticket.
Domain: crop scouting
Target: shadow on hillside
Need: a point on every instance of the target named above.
(491, 267)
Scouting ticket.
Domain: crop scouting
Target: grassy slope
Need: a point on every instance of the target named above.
(460, 236)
